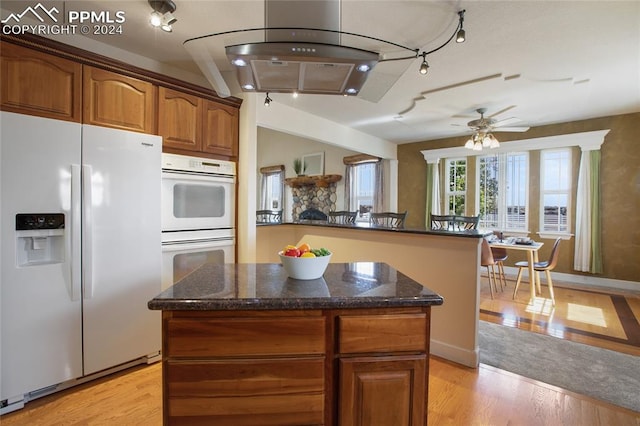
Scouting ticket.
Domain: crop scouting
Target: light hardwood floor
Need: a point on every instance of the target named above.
(598, 317)
(457, 395)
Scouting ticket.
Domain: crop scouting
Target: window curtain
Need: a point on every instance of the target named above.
(349, 189)
(588, 254)
(379, 194)
(266, 175)
(264, 203)
(432, 205)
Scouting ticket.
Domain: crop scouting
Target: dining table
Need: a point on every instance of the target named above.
(532, 248)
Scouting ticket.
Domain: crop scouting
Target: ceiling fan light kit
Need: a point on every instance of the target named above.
(483, 128)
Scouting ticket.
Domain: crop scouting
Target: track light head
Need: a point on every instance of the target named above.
(424, 67)
(162, 15)
(267, 100)
(461, 35)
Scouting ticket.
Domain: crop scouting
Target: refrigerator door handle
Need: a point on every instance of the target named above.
(76, 236)
(87, 232)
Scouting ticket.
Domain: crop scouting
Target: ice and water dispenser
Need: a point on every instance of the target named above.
(39, 238)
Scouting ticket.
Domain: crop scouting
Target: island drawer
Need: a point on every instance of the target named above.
(382, 333)
(283, 391)
(241, 337)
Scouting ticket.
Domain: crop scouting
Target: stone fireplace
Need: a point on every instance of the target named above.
(313, 192)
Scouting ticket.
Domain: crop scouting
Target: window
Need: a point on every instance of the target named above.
(272, 188)
(363, 189)
(456, 188)
(555, 190)
(502, 191)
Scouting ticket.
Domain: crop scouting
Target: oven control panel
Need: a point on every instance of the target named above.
(186, 163)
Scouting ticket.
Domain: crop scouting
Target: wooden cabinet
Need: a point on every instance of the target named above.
(37, 83)
(189, 118)
(333, 367)
(220, 131)
(383, 368)
(115, 100)
(191, 123)
(180, 120)
(385, 391)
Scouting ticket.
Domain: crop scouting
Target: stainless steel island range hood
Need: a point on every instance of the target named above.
(302, 52)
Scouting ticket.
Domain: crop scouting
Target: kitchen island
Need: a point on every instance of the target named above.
(245, 345)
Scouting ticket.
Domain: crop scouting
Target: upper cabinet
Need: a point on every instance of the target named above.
(115, 100)
(180, 120)
(190, 123)
(37, 83)
(57, 81)
(220, 131)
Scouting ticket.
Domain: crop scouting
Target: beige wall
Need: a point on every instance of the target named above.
(620, 188)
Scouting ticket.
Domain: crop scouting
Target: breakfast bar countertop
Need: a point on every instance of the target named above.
(468, 233)
(265, 286)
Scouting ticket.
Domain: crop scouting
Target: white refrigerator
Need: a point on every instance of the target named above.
(80, 252)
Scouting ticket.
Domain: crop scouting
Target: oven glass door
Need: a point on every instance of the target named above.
(179, 259)
(196, 201)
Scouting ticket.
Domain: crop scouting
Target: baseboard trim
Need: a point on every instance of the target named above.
(586, 280)
(456, 354)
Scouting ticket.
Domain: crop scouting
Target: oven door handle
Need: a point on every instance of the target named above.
(198, 177)
(170, 246)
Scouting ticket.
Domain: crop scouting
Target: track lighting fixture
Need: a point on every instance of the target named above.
(267, 100)
(424, 67)
(162, 15)
(459, 35)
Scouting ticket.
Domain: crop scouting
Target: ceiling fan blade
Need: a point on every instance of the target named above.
(505, 122)
(510, 129)
(502, 111)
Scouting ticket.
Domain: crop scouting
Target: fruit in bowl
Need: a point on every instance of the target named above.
(303, 262)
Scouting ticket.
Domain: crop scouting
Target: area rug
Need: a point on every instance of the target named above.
(599, 373)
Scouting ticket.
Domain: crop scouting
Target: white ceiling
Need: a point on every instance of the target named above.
(545, 61)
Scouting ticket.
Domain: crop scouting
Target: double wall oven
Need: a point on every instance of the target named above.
(198, 214)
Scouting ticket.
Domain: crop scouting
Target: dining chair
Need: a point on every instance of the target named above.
(463, 223)
(342, 217)
(500, 255)
(486, 259)
(547, 266)
(388, 219)
(268, 216)
(441, 222)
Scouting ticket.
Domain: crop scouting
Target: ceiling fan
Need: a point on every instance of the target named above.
(489, 124)
(483, 128)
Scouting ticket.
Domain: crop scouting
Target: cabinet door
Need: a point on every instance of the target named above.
(114, 100)
(220, 132)
(40, 84)
(383, 391)
(180, 120)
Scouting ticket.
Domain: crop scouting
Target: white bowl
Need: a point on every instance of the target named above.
(304, 268)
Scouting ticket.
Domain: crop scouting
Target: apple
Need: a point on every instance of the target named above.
(292, 252)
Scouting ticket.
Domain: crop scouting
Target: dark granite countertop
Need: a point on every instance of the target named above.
(265, 286)
(470, 233)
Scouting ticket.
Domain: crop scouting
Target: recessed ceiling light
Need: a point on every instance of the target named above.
(364, 68)
(352, 91)
(239, 62)
(248, 87)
